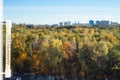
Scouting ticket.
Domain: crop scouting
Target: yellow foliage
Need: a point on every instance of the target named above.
(92, 31)
(74, 39)
(34, 56)
(66, 44)
(23, 56)
(65, 55)
(37, 62)
(55, 43)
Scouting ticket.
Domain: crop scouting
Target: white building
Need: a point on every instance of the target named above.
(114, 23)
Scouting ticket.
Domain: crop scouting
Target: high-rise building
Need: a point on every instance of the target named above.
(102, 23)
(61, 23)
(91, 22)
(76, 23)
(98, 23)
(68, 23)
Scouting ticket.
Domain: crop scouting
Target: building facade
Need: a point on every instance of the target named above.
(91, 22)
(102, 23)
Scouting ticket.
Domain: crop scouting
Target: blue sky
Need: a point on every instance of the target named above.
(54, 11)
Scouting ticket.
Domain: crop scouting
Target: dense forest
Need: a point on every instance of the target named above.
(74, 53)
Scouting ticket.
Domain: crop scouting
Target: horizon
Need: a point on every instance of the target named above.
(63, 22)
(55, 11)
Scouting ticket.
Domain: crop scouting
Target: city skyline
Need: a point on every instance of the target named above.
(54, 11)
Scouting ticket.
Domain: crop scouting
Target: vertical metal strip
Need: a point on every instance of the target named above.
(8, 50)
(1, 41)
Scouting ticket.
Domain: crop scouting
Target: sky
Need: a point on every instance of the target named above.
(1, 9)
(55, 11)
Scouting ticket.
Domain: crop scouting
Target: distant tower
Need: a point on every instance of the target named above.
(60, 24)
(8, 50)
(91, 22)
